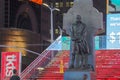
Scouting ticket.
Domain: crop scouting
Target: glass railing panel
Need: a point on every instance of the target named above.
(41, 61)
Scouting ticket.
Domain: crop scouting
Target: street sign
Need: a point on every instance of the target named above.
(10, 61)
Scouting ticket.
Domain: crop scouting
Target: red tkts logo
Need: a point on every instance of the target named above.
(10, 61)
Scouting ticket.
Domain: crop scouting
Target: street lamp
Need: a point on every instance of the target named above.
(51, 23)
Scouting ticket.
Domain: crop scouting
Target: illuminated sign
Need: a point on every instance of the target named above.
(113, 31)
(10, 61)
(116, 2)
(100, 42)
(65, 43)
(37, 1)
(97, 43)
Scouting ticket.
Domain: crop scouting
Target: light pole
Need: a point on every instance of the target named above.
(51, 19)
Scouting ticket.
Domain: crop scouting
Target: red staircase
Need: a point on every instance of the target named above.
(42, 60)
(108, 64)
(55, 70)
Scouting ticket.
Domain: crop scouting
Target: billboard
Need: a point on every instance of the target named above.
(113, 6)
(10, 61)
(113, 31)
(100, 42)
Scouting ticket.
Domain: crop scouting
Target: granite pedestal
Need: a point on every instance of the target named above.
(79, 75)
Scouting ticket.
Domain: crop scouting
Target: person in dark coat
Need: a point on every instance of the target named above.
(15, 76)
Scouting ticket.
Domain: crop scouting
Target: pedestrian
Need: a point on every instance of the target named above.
(15, 76)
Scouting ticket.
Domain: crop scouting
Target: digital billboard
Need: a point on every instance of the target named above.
(116, 3)
(113, 24)
(113, 31)
(100, 42)
(113, 6)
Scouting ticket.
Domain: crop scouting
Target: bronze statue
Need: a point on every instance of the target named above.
(79, 48)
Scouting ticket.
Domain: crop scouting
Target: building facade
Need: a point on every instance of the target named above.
(24, 24)
(28, 24)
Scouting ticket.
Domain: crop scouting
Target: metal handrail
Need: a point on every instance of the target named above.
(40, 61)
(34, 64)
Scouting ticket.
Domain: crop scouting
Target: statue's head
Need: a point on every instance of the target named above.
(78, 18)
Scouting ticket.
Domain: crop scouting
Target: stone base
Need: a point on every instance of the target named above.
(79, 75)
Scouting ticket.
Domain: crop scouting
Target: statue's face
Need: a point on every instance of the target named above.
(78, 18)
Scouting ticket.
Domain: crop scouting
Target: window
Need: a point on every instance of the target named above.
(61, 4)
(67, 4)
(57, 4)
(71, 4)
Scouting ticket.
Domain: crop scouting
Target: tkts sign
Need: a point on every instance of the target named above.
(10, 61)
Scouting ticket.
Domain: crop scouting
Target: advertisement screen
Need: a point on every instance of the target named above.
(116, 3)
(10, 61)
(100, 42)
(113, 31)
(113, 6)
